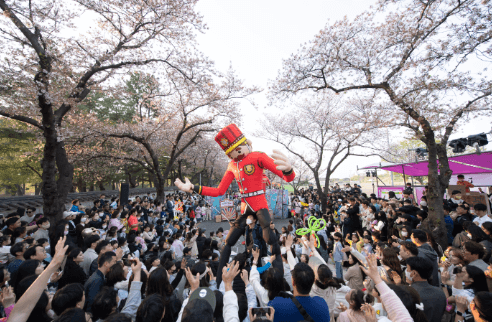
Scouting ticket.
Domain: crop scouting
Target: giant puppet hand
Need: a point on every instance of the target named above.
(186, 186)
(281, 161)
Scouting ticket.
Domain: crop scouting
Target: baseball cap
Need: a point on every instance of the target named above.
(68, 213)
(200, 307)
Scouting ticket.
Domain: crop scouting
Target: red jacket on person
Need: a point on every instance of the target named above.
(248, 174)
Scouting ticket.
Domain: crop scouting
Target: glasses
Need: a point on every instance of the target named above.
(28, 212)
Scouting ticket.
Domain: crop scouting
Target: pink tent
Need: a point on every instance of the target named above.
(463, 164)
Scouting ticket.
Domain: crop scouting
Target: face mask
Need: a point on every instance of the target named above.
(407, 275)
(47, 247)
(96, 217)
(423, 204)
(399, 257)
(47, 226)
(181, 238)
(404, 233)
(249, 221)
(104, 226)
(66, 232)
(83, 219)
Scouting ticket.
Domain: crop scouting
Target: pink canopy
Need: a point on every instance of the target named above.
(470, 163)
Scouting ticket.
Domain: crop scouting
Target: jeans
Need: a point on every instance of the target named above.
(338, 269)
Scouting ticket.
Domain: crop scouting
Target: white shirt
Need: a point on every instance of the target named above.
(480, 220)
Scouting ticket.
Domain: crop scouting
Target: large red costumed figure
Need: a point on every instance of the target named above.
(246, 167)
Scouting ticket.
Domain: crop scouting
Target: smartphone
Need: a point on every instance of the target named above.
(261, 312)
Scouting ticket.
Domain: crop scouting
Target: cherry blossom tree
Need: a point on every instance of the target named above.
(182, 116)
(322, 131)
(427, 58)
(303, 173)
(55, 52)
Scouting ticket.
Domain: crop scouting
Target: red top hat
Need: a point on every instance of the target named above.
(230, 138)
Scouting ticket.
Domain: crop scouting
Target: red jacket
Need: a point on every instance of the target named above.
(249, 177)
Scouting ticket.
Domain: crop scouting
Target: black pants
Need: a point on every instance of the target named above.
(263, 218)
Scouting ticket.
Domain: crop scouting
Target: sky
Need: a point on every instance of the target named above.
(255, 36)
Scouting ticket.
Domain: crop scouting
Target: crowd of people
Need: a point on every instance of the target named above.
(149, 261)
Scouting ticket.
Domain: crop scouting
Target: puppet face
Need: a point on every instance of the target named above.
(241, 151)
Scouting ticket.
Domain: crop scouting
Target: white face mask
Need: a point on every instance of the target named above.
(83, 219)
(66, 232)
(407, 275)
(104, 226)
(399, 257)
(423, 204)
(96, 217)
(46, 226)
(249, 221)
(404, 233)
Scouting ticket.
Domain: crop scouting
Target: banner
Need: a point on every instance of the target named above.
(227, 209)
(383, 192)
(277, 200)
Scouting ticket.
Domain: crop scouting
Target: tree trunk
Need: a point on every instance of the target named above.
(324, 194)
(52, 207)
(81, 185)
(19, 191)
(131, 180)
(37, 189)
(435, 221)
(113, 185)
(180, 174)
(65, 178)
(100, 184)
(91, 187)
(320, 191)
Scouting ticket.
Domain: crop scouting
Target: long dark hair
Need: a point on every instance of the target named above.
(27, 268)
(38, 314)
(483, 308)
(325, 278)
(200, 268)
(410, 298)
(390, 259)
(115, 274)
(479, 283)
(359, 298)
(433, 243)
(158, 283)
(274, 282)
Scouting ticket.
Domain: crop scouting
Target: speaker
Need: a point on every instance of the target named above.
(124, 193)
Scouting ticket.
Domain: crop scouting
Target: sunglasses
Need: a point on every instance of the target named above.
(28, 212)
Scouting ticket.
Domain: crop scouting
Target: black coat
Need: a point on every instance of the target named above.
(72, 273)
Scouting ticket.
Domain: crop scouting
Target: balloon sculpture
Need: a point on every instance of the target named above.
(314, 225)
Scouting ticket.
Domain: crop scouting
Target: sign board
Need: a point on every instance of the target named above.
(227, 209)
(472, 198)
(451, 188)
(383, 192)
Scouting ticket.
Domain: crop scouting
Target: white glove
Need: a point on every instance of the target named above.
(186, 186)
(281, 161)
